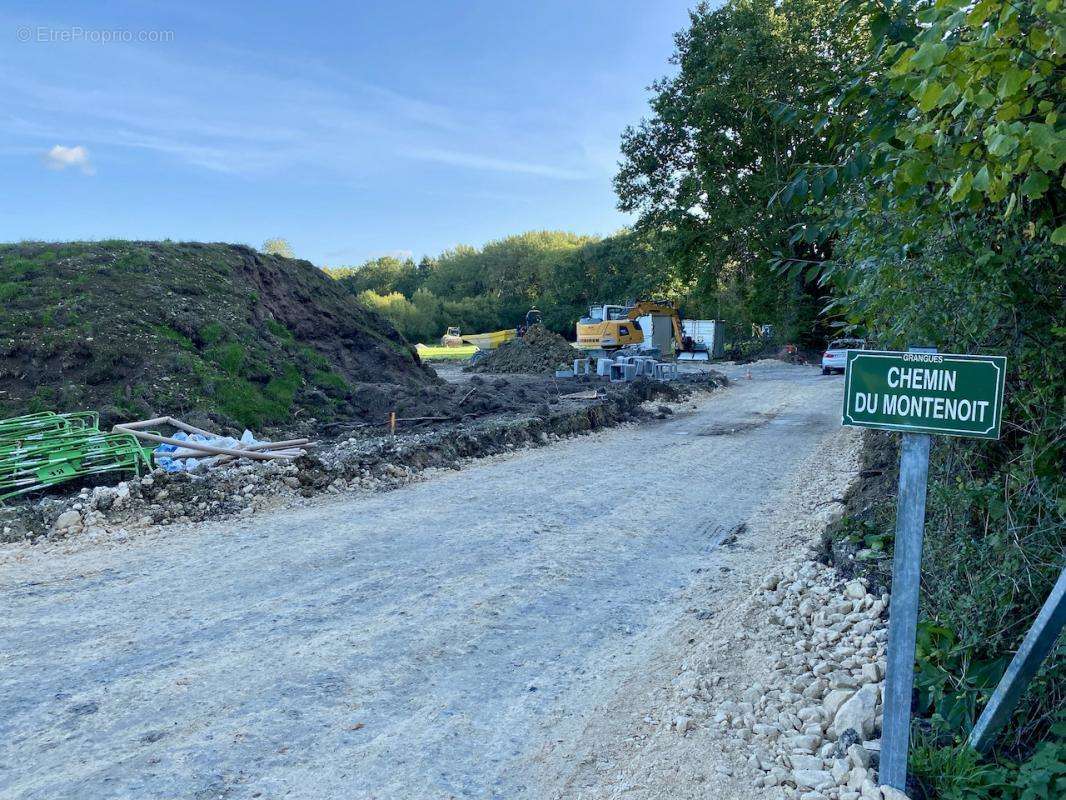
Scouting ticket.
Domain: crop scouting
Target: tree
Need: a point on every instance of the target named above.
(703, 168)
(277, 247)
(946, 210)
(383, 275)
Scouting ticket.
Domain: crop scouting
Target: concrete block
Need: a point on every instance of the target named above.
(666, 372)
(618, 373)
(630, 371)
(603, 367)
(564, 373)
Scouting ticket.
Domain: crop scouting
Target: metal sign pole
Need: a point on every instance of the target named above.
(1034, 649)
(903, 612)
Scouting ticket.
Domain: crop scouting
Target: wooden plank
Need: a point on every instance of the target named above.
(1037, 645)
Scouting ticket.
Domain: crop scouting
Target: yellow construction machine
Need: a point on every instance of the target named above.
(493, 339)
(611, 327)
(451, 338)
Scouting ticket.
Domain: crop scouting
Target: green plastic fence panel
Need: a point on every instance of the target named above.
(42, 450)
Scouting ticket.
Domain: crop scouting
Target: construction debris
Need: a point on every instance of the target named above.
(193, 447)
(360, 459)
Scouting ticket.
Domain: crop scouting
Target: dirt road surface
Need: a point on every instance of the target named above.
(424, 643)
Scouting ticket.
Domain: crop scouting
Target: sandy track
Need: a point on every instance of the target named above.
(424, 643)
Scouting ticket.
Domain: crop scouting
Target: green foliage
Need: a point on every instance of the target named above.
(9, 291)
(333, 383)
(18, 268)
(136, 260)
(175, 336)
(953, 772)
(956, 772)
(277, 246)
(279, 330)
(1043, 776)
(402, 313)
(943, 212)
(230, 357)
(950, 683)
(384, 275)
(703, 169)
(492, 288)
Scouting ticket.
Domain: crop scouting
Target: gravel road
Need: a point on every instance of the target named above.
(423, 643)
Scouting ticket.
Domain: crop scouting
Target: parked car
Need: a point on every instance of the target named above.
(835, 357)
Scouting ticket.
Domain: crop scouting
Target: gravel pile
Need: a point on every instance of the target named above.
(813, 730)
(538, 351)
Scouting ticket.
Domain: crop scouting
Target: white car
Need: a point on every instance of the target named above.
(835, 357)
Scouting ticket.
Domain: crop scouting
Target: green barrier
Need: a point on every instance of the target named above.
(42, 450)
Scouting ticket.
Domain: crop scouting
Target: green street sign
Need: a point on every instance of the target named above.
(916, 392)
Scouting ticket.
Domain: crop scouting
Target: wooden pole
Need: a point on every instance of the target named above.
(392, 422)
(903, 613)
(1036, 646)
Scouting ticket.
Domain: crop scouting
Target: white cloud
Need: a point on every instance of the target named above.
(77, 157)
(495, 164)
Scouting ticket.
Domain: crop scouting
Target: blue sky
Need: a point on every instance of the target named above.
(352, 129)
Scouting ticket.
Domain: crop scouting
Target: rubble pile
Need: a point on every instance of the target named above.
(538, 351)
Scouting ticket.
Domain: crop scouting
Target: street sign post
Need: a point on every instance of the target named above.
(918, 393)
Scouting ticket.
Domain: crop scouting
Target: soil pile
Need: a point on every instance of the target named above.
(538, 351)
(212, 332)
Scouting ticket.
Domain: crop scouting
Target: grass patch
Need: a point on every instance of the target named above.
(331, 381)
(134, 261)
(212, 333)
(229, 357)
(279, 331)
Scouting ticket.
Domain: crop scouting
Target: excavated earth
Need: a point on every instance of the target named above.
(219, 334)
(484, 417)
(538, 351)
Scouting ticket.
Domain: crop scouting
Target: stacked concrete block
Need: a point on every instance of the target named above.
(603, 367)
(666, 372)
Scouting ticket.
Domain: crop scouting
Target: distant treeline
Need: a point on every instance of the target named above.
(561, 273)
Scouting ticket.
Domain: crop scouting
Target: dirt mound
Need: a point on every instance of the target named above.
(538, 351)
(204, 331)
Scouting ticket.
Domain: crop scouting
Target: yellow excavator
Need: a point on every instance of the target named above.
(611, 327)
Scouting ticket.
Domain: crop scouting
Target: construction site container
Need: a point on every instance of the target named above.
(709, 331)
